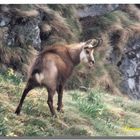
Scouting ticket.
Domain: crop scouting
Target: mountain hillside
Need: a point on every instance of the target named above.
(27, 29)
(101, 101)
(91, 113)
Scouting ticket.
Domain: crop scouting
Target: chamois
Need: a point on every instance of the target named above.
(54, 65)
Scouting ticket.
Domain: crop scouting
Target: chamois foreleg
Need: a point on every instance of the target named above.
(30, 85)
(50, 101)
(60, 96)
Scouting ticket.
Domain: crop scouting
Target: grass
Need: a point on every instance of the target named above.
(91, 113)
(61, 29)
(16, 57)
(90, 103)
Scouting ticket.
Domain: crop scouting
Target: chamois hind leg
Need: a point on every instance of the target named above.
(50, 101)
(60, 96)
(30, 85)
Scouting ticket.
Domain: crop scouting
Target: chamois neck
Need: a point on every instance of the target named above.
(74, 51)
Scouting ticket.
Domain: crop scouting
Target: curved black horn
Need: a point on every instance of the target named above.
(95, 42)
(89, 41)
(99, 42)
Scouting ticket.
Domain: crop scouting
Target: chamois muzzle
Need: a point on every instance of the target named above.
(91, 63)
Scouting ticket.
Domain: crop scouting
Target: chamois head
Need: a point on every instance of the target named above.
(87, 53)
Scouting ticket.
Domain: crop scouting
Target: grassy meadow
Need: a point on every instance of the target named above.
(90, 113)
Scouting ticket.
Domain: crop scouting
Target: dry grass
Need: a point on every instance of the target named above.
(16, 58)
(45, 28)
(59, 26)
(107, 84)
(28, 14)
(133, 11)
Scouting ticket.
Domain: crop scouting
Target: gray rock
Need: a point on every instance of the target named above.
(4, 20)
(96, 9)
(130, 68)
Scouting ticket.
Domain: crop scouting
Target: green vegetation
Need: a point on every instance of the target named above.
(91, 113)
(58, 23)
(89, 103)
(89, 110)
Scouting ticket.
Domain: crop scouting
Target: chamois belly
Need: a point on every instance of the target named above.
(64, 73)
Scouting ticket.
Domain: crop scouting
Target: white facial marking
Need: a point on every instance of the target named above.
(92, 56)
(90, 46)
(39, 77)
(83, 56)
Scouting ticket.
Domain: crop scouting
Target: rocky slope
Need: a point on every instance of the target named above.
(124, 44)
(130, 67)
(26, 29)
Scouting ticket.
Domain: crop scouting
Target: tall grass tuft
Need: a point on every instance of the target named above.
(91, 103)
(3, 127)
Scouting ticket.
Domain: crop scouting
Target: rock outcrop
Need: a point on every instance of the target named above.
(130, 68)
(96, 10)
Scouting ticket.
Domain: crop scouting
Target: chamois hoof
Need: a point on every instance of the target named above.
(17, 112)
(54, 116)
(60, 110)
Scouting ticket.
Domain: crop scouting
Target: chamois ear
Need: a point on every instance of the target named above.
(94, 42)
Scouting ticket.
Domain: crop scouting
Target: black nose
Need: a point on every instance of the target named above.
(92, 61)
